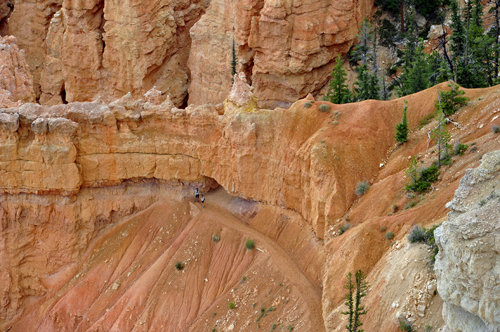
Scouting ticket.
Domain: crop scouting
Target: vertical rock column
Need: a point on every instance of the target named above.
(288, 47)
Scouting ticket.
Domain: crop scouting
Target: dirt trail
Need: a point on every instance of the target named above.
(128, 280)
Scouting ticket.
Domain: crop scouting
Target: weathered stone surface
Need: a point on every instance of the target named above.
(241, 98)
(278, 157)
(79, 50)
(287, 49)
(5, 10)
(16, 83)
(468, 262)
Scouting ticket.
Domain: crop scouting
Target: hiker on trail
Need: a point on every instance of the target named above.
(196, 195)
(202, 201)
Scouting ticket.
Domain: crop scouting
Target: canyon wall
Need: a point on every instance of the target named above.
(286, 48)
(291, 158)
(468, 262)
(78, 50)
(16, 83)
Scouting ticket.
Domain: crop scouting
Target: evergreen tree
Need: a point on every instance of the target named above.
(234, 62)
(355, 293)
(441, 136)
(402, 128)
(416, 72)
(367, 84)
(459, 36)
(339, 91)
(362, 51)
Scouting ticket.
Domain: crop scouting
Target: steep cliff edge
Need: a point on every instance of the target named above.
(468, 262)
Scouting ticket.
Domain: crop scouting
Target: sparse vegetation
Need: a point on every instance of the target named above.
(405, 327)
(362, 187)
(452, 100)
(389, 235)
(250, 244)
(410, 205)
(289, 328)
(459, 149)
(395, 208)
(383, 229)
(355, 292)
(179, 265)
(243, 279)
(344, 228)
(423, 235)
(307, 104)
(324, 108)
(495, 129)
(421, 178)
(216, 238)
(425, 121)
(231, 305)
(402, 128)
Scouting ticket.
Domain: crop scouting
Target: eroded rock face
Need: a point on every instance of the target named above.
(106, 48)
(286, 48)
(16, 83)
(468, 262)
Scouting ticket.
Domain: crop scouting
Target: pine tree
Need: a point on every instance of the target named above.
(459, 36)
(339, 91)
(355, 293)
(234, 62)
(416, 72)
(402, 128)
(366, 85)
(441, 136)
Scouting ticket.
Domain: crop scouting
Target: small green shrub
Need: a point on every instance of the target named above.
(452, 100)
(410, 205)
(362, 187)
(324, 108)
(495, 129)
(344, 228)
(308, 104)
(179, 266)
(395, 208)
(417, 234)
(426, 236)
(231, 305)
(383, 229)
(405, 327)
(459, 149)
(425, 121)
(389, 235)
(289, 328)
(422, 178)
(216, 238)
(335, 122)
(250, 244)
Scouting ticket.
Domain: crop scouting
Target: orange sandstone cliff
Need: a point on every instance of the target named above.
(80, 50)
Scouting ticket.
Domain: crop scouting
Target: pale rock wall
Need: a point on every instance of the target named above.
(5, 10)
(78, 50)
(468, 263)
(16, 83)
(286, 48)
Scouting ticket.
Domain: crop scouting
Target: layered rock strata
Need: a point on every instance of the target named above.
(286, 48)
(468, 262)
(16, 83)
(280, 157)
(79, 50)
